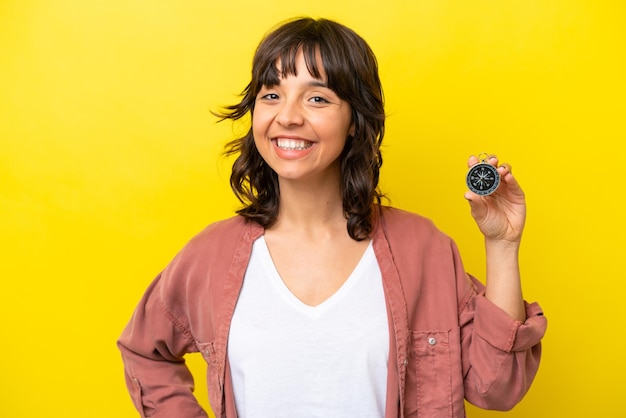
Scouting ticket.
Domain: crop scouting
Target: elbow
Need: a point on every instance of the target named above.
(509, 386)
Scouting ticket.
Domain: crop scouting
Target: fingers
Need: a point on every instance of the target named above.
(489, 158)
(478, 207)
(473, 160)
(503, 169)
(506, 167)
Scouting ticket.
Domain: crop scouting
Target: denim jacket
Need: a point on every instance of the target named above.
(447, 341)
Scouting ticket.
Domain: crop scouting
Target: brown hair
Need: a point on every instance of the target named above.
(352, 73)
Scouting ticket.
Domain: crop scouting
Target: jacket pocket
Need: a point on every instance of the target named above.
(431, 362)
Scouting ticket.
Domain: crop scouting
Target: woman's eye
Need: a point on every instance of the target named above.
(269, 96)
(319, 99)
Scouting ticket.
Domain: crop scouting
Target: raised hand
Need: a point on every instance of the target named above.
(502, 214)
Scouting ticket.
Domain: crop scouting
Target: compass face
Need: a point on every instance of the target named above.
(483, 179)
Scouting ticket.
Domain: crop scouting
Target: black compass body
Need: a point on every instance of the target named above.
(483, 179)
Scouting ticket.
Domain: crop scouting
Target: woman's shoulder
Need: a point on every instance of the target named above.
(227, 229)
(402, 224)
(392, 216)
(222, 236)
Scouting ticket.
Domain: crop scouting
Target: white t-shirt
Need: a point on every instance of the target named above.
(289, 359)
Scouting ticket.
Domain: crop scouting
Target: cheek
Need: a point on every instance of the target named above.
(259, 144)
(260, 123)
(257, 132)
(259, 135)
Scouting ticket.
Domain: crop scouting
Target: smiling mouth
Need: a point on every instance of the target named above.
(293, 144)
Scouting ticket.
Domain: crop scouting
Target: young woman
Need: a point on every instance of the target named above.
(316, 300)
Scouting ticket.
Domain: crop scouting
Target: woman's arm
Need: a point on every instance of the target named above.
(152, 348)
(501, 217)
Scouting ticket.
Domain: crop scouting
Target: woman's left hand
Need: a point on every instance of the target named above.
(502, 214)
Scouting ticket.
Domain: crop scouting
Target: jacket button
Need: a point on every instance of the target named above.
(432, 341)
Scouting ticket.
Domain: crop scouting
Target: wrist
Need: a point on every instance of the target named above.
(503, 245)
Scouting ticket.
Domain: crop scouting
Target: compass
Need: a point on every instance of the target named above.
(483, 178)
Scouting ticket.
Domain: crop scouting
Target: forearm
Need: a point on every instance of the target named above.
(504, 287)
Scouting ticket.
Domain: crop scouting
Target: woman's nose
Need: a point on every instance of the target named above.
(290, 113)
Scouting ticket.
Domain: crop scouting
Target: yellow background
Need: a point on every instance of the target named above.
(110, 161)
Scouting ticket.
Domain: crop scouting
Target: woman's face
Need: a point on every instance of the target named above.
(300, 126)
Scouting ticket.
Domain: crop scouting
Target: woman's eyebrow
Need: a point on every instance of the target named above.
(318, 83)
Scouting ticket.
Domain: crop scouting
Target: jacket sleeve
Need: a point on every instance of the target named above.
(153, 345)
(500, 354)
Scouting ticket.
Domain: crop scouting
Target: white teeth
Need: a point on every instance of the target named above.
(293, 144)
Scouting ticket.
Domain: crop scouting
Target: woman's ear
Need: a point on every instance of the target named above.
(352, 129)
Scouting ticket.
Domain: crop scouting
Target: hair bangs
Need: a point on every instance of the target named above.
(283, 64)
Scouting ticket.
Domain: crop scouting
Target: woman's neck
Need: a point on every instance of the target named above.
(314, 208)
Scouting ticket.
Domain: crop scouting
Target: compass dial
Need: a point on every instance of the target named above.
(483, 179)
